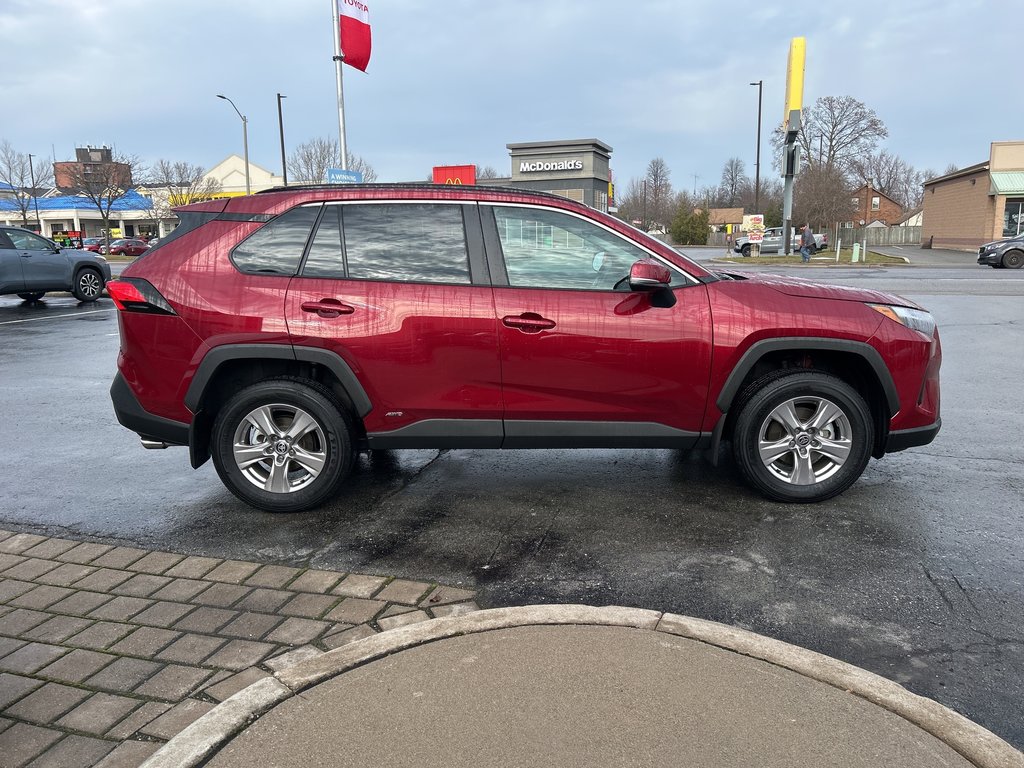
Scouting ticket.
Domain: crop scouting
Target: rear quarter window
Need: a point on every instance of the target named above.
(276, 248)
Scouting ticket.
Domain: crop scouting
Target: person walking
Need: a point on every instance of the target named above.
(806, 243)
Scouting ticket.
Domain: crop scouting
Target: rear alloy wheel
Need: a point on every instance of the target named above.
(88, 285)
(283, 445)
(32, 296)
(745, 250)
(803, 436)
(1013, 259)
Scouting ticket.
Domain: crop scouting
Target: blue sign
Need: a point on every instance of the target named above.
(338, 176)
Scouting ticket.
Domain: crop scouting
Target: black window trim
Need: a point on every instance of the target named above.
(476, 261)
(496, 255)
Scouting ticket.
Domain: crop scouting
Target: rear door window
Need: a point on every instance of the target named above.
(395, 242)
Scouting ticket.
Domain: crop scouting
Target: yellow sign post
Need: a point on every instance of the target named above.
(795, 78)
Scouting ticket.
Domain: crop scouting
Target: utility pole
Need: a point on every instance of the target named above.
(643, 222)
(280, 126)
(35, 196)
(757, 163)
(695, 177)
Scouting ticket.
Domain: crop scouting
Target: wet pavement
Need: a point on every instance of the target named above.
(914, 573)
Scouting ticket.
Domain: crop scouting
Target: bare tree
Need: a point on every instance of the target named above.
(311, 160)
(835, 132)
(659, 192)
(487, 172)
(822, 197)
(892, 175)
(18, 172)
(104, 182)
(178, 183)
(734, 182)
(951, 168)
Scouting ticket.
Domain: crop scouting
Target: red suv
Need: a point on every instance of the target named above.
(283, 332)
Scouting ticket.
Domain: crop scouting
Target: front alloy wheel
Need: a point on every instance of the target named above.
(88, 285)
(802, 436)
(283, 445)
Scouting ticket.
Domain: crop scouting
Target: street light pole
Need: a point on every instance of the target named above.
(280, 125)
(245, 139)
(757, 163)
(35, 196)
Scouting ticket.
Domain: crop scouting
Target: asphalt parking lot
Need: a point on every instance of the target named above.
(914, 573)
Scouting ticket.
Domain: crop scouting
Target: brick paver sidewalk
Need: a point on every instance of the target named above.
(107, 652)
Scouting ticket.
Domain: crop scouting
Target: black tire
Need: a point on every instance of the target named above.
(1013, 259)
(745, 250)
(88, 284)
(809, 393)
(281, 400)
(32, 295)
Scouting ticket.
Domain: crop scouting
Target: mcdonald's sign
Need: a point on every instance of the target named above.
(455, 174)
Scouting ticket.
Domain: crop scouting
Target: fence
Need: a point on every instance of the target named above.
(877, 236)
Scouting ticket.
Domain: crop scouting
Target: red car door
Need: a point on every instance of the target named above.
(584, 362)
(399, 292)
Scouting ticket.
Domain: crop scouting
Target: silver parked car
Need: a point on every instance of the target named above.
(31, 265)
(773, 242)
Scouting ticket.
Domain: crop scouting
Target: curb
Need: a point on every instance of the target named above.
(209, 733)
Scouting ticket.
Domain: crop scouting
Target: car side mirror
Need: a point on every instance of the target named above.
(649, 275)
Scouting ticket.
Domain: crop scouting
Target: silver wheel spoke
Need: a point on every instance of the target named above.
(825, 414)
(277, 480)
(311, 462)
(836, 450)
(263, 420)
(302, 424)
(772, 451)
(247, 455)
(786, 415)
(803, 473)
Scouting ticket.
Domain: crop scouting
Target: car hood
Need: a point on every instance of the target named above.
(1004, 241)
(795, 286)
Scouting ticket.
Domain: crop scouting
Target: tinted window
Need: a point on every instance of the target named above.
(410, 243)
(549, 249)
(325, 255)
(276, 248)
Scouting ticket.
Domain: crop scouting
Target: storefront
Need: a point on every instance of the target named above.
(575, 169)
(978, 204)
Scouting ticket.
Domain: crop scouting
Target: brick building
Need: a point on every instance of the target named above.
(977, 204)
(871, 205)
(92, 165)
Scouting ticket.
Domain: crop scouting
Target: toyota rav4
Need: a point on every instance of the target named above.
(283, 332)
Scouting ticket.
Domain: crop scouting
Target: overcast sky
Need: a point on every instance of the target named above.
(454, 81)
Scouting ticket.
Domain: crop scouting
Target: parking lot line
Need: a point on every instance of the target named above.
(57, 317)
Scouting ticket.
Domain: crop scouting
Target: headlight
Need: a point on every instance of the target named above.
(915, 319)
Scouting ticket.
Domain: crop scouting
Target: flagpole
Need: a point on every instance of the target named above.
(338, 59)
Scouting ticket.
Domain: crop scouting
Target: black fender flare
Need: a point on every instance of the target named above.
(759, 349)
(217, 356)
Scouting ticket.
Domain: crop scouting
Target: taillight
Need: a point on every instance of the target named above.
(132, 294)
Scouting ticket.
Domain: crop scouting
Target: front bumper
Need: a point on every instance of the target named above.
(911, 438)
(990, 258)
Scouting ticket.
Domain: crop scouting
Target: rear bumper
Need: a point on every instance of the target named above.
(136, 418)
(910, 438)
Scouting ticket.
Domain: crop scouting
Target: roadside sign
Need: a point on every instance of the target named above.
(455, 174)
(338, 176)
(753, 224)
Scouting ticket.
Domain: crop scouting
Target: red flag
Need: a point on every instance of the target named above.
(354, 29)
